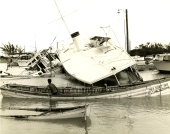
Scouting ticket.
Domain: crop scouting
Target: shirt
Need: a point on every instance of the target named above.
(52, 88)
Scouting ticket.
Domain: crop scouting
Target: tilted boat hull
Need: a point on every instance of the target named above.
(143, 89)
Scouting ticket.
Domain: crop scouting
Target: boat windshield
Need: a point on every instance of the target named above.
(98, 41)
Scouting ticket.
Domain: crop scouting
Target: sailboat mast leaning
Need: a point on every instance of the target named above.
(62, 17)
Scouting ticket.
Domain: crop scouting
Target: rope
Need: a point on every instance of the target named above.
(115, 36)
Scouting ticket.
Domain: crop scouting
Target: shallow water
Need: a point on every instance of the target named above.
(109, 116)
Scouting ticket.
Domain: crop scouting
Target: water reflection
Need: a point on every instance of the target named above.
(77, 122)
(24, 102)
(44, 127)
(159, 102)
(109, 114)
(143, 103)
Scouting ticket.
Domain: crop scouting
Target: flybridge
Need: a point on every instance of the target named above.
(99, 38)
(101, 60)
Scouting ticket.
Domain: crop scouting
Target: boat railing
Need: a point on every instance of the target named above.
(65, 90)
(62, 90)
(81, 90)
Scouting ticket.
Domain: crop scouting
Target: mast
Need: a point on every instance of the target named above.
(35, 45)
(50, 61)
(62, 17)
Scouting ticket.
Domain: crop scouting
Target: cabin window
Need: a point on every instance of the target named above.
(37, 57)
(49, 57)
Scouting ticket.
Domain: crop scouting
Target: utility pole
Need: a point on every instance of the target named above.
(127, 32)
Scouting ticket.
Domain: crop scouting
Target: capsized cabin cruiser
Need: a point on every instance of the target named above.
(96, 70)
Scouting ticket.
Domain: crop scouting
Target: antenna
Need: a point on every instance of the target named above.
(35, 44)
(52, 41)
(62, 17)
(104, 30)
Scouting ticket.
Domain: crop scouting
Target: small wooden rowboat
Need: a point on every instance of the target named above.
(46, 113)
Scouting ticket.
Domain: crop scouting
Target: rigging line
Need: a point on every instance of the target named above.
(118, 21)
(53, 41)
(105, 31)
(115, 36)
(109, 30)
(62, 17)
(54, 38)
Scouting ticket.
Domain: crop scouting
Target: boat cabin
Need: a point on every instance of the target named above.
(43, 62)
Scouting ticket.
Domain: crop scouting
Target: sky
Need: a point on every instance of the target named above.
(30, 23)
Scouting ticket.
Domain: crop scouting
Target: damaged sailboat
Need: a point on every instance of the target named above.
(42, 64)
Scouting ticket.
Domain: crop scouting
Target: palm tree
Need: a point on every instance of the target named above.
(10, 49)
(20, 50)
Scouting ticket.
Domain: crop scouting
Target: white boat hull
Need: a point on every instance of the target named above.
(162, 65)
(23, 63)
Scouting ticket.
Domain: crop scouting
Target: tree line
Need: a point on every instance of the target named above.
(142, 50)
(150, 48)
(11, 49)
